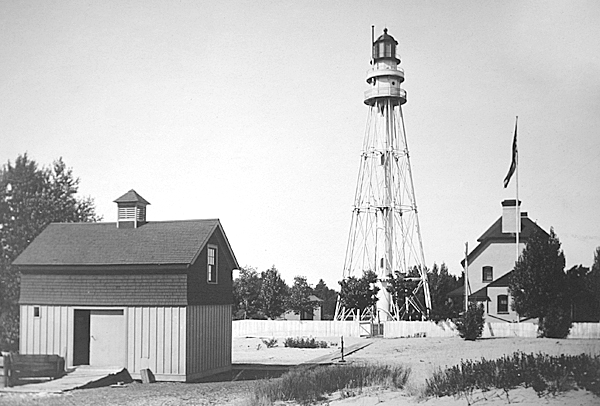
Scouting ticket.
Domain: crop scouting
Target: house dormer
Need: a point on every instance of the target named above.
(131, 210)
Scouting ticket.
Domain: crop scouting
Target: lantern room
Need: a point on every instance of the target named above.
(385, 48)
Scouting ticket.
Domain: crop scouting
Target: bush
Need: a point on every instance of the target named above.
(306, 386)
(470, 325)
(299, 342)
(543, 373)
(556, 323)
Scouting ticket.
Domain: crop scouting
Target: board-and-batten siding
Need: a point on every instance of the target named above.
(156, 340)
(209, 340)
(50, 333)
(176, 343)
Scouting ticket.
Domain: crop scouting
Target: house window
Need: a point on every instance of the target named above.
(212, 265)
(36, 311)
(502, 304)
(488, 274)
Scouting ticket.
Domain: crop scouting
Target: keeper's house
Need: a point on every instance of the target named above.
(492, 261)
(131, 294)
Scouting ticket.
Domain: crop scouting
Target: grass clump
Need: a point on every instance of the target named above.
(309, 385)
(300, 342)
(270, 342)
(546, 374)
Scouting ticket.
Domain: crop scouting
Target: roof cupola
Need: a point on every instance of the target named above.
(131, 210)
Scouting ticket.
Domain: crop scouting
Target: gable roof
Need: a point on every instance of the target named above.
(480, 295)
(89, 244)
(501, 282)
(495, 234)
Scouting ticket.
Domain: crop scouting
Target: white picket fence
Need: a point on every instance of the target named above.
(395, 329)
(510, 330)
(295, 328)
(585, 330)
(392, 329)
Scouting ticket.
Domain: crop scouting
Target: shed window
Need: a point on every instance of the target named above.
(488, 274)
(502, 303)
(212, 265)
(36, 311)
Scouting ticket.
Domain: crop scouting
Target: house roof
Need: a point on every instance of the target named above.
(502, 281)
(88, 244)
(495, 234)
(481, 294)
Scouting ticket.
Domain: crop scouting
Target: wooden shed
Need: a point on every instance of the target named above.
(131, 294)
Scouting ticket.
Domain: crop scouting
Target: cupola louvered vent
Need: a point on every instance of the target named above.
(131, 210)
(126, 213)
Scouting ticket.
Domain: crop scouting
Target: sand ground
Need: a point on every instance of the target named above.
(422, 355)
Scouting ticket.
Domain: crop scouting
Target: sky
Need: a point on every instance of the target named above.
(252, 112)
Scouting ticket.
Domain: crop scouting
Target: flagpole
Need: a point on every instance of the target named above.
(518, 219)
(466, 276)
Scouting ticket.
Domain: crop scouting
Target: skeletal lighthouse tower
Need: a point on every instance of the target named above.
(384, 233)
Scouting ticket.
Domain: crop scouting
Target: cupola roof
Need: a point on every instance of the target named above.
(131, 197)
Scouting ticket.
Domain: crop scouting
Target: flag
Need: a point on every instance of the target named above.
(513, 164)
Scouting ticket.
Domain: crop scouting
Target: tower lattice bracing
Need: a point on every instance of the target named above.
(384, 234)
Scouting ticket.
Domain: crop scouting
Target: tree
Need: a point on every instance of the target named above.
(273, 292)
(440, 284)
(359, 293)
(538, 281)
(30, 198)
(584, 291)
(246, 295)
(401, 288)
(593, 278)
(329, 298)
(299, 297)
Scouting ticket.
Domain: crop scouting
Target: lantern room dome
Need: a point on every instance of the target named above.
(386, 37)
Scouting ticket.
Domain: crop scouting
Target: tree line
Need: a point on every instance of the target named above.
(360, 292)
(266, 295)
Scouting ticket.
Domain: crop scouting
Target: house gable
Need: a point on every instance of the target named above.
(494, 235)
(199, 290)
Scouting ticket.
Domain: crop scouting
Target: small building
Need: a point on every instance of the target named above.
(136, 294)
(492, 261)
(315, 314)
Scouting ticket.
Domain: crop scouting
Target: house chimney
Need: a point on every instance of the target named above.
(131, 210)
(509, 216)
